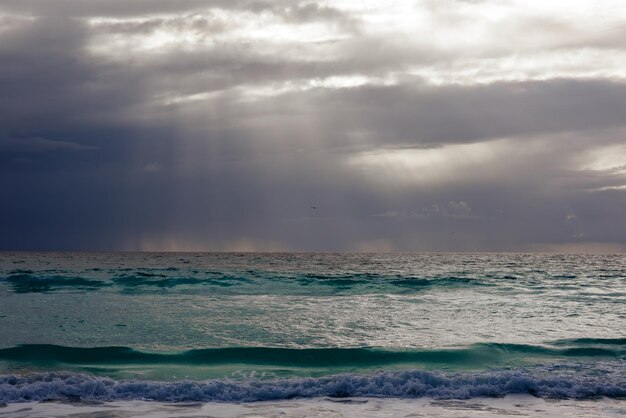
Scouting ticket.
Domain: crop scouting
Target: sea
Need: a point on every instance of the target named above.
(312, 334)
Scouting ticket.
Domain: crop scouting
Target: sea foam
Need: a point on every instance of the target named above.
(577, 381)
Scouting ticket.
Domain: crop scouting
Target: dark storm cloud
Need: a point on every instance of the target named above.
(47, 83)
(38, 145)
(182, 125)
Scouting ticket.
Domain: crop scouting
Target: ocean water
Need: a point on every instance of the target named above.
(230, 329)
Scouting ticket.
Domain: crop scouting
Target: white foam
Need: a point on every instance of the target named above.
(557, 381)
(513, 405)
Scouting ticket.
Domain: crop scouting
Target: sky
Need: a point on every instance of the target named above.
(272, 125)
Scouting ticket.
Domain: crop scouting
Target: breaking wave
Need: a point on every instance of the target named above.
(556, 381)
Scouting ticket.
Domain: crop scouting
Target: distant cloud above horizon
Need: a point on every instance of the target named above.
(339, 125)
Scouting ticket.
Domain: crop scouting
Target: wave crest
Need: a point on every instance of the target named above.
(249, 282)
(556, 381)
(474, 355)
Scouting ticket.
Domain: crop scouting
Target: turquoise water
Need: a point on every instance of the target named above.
(241, 327)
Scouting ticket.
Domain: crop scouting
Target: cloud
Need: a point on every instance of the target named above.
(469, 125)
(170, 244)
(453, 209)
(151, 168)
(376, 246)
(39, 145)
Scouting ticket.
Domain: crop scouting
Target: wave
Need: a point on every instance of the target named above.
(249, 282)
(170, 282)
(557, 381)
(484, 354)
(32, 283)
(592, 341)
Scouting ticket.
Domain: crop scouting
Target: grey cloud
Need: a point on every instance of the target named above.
(409, 114)
(295, 11)
(311, 11)
(112, 8)
(457, 114)
(234, 169)
(47, 83)
(38, 145)
(206, 25)
(453, 209)
(151, 168)
(418, 115)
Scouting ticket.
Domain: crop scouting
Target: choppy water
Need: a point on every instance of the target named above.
(243, 327)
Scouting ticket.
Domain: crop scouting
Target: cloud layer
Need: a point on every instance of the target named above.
(288, 125)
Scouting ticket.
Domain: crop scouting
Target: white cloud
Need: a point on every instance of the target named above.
(610, 158)
(444, 164)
